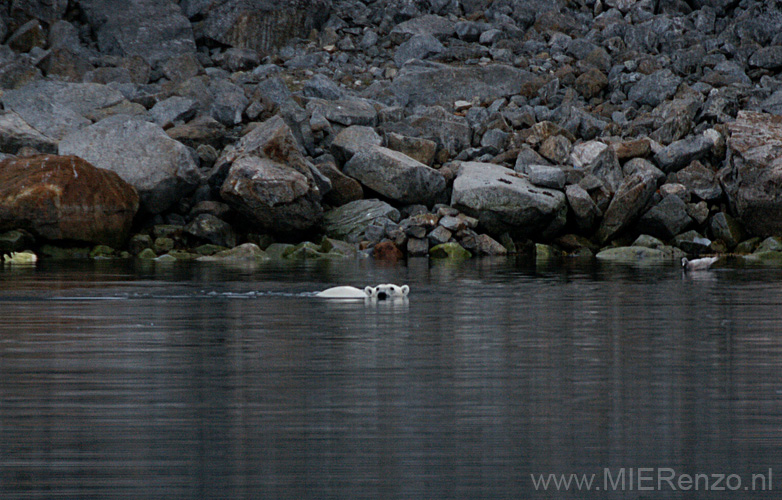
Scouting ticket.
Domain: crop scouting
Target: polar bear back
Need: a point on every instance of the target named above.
(345, 292)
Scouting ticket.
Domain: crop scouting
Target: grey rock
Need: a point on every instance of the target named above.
(15, 134)
(680, 153)
(634, 255)
(58, 108)
(632, 196)
(350, 222)
(439, 27)
(153, 30)
(273, 92)
(31, 34)
(272, 194)
(17, 73)
(655, 88)
(666, 219)
(439, 235)
(266, 177)
(495, 139)
(767, 57)
(503, 201)
(443, 85)
(699, 212)
(344, 189)
(545, 176)
(352, 140)
(727, 229)
(345, 112)
(451, 132)
(605, 166)
(229, 102)
(773, 103)
(236, 59)
(584, 208)
(417, 47)
(417, 247)
(261, 25)
(321, 87)
(419, 149)
(247, 252)
(44, 10)
(210, 228)
(173, 110)
(160, 168)
(753, 177)
(396, 175)
(701, 181)
(181, 67)
(692, 242)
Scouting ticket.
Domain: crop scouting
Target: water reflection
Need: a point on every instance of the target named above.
(207, 382)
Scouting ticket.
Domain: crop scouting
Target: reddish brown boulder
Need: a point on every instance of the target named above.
(65, 198)
(387, 251)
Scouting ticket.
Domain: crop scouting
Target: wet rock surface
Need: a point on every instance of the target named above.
(480, 126)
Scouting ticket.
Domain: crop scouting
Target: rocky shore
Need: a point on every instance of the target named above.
(260, 129)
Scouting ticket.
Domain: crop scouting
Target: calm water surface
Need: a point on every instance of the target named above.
(199, 381)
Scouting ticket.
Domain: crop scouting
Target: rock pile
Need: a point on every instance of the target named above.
(427, 127)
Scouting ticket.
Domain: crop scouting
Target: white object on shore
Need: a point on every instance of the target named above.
(698, 264)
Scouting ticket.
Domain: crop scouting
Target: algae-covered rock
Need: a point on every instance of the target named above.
(449, 251)
(147, 254)
(247, 252)
(279, 250)
(634, 255)
(64, 253)
(101, 252)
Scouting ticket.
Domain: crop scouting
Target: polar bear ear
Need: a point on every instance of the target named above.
(369, 291)
(405, 290)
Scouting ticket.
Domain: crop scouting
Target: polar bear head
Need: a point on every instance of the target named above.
(387, 291)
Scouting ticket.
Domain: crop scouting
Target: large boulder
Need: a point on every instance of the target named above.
(65, 198)
(269, 180)
(260, 25)
(753, 177)
(350, 221)
(503, 201)
(160, 168)
(443, 85)
(396, 175)
(57, 108)
(631, 197)
(151, 29)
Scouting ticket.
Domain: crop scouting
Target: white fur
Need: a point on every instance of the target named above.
(345, 292)
(698, 264)
(389, 291)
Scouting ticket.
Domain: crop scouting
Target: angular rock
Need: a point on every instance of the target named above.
(666, 219)
(486, 245)
(701, 181)
(321, 87)
(345, 112)
(606, 167)
(417, 247)
(44, 10)
(504, 201)
(28, 36)
(261, 25)
(427, 85)
(767, 57)
(545, 176)
(58, 108)
(449, 251)
(153, 30)
(173, 110)
(210, 228)
(160, 168)
(679, 154)
(727, 229)
(228, 103)
(15, 134)
(352, 140)
(451, 132)
(247, 252)
(268, 179)
(753, 178)
(631, 197)
(344, 189)
(655, 88)
(417, 47)
(429, 24)
(583, 207)
(65, 198)
(350, 221)
(387, 251)
(422, 150)
(396, 175)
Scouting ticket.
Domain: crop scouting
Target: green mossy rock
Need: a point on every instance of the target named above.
(449, 251)
(64, 253)
(279, 250)
(147, 254)
(248, 252)
(634, 255)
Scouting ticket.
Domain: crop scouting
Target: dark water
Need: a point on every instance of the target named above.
(205, 382)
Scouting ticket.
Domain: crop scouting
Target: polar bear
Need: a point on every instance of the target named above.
(389, 291)
(346, 292)
(380, 292)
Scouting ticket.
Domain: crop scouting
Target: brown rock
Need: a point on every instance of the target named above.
(637, 148)
(388, 251)
(591, 83)
(65, 198)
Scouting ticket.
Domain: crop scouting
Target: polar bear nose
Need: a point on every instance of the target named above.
(382, 295)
